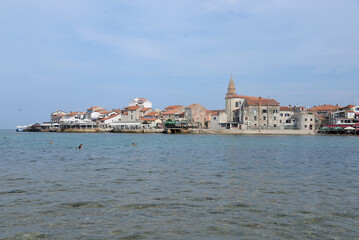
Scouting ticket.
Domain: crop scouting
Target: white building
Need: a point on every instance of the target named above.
(143, 102)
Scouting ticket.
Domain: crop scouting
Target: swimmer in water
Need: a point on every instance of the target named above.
(134, 144)
(50, 142)
(80, 146)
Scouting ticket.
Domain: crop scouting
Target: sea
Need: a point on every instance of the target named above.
(178, 186)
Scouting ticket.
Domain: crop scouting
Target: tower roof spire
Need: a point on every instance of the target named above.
(231, 87)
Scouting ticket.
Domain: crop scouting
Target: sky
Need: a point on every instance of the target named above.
(71, 55)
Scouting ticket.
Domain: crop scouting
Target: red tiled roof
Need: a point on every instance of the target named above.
(323, 108)
(173, 111)
(145, 109)
(284, 108)
(261, 101)
(125, 113)
(350, 106)
(151, 114)
(104, 111)
(174, 106)
(131, 108)
(112, 116)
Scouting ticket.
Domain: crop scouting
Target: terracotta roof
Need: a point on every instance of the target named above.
(173, 111)
(145, 109)
(174, 106)
(125, 113)
(350, 106)
(215, 112)
(112, 116)
(323, 108)
(104, 111)
(284, 108)
(131, 108)
(73, 113)
(151, 114)
(262, 101)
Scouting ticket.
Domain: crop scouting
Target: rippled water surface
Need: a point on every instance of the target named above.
(178, 186)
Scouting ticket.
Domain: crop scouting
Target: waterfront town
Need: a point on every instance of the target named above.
(242, 115)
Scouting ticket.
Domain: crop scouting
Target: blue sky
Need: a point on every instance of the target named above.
(71, 55)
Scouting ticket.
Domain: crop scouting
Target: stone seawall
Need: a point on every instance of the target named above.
(253, 132)
(193, 131)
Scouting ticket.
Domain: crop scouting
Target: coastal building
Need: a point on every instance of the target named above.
(179, 116)
(285, 116)
(196, 113)
(172, 113)
(131, 113)
(113, 118)
(143, 102)
(94, 113)
(217, 118)
(247, 112)
(324, 112)
(346, 116)
(152, 119)
(145, 111)
(57, 115)
(306, 121)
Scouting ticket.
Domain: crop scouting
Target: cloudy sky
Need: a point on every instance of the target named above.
(71, 55)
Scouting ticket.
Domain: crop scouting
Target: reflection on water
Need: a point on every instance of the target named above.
(178, 186)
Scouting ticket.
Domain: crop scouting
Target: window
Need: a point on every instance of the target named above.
(264, 111)
(264, 117)
(214, 118)
(280, 121)
(246, 118)
(237, 104)
(281, 114)
(305, 119)
(274, 118)
(255, 111)
(131, 116)
(311, 119)
(255, 118)
(305, 126)
(287, 115)
(275, 111)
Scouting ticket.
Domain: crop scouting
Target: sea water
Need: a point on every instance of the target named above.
(178, 186)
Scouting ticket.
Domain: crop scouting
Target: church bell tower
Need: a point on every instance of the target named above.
(231, 88)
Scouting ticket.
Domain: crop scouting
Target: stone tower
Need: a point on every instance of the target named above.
(231, 99)
(231, 88)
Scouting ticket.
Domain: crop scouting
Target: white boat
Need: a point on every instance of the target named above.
(21, 128)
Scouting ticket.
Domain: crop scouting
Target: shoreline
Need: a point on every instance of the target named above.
(197, 131)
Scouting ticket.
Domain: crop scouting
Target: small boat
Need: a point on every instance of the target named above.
(21, 128)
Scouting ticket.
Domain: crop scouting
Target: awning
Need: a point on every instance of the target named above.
(349, 128)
